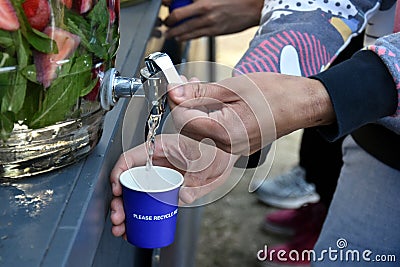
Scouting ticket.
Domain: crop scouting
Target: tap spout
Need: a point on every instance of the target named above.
(155, 77)
(155, 89)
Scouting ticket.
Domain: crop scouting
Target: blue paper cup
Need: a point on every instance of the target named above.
(179, 3)
(151, 205)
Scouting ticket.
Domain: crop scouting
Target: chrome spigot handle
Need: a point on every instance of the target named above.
(151, 65)
(158, 61)
(113, 87)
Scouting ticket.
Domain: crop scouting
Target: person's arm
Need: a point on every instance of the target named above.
(361, 90)
(373, 76)
(244, 113)
(358, 91)
(212, 18)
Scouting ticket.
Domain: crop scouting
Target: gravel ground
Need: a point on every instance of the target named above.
(231, 232)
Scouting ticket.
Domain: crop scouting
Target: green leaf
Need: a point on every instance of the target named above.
(89, 88)
(6, 83)
(32, 102)
(63, 94)
(6, 125)
(29, 73)
(41, 41)
(7, 49)
(96, 36)
(77, 25)
(14, 94)
(99, 22)
(57, 104)
(5, 39)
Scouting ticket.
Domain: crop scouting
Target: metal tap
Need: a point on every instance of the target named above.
(152, 81)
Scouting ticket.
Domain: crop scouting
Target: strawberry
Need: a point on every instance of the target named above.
(113, 9)
(47, 64)
(67, 3)
(97, 72)
(83, 6)
(8, 16)
(37, 13)
(112, 15)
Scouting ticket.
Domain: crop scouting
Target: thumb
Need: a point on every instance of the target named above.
(194, 94)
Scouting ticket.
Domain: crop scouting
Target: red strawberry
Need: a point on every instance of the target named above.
(96, 73)
(37, 12)
(67, 3)
(112, 15)
(83, 6)
(47, 64)
(8, 17)
(113, 9)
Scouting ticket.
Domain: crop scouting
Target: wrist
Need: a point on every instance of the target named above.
(321, 110)
(302, 103)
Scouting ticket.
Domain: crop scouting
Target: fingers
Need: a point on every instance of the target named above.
(199, 126)
(119, 167)
(138, 156)
(192, 28)
(182, 13)
(118, 230)
(194, 94)
(207, 171)
(134, 157)
(205, 166)
(225, 124)
(238, 88)
(196, 186)
(117, 217)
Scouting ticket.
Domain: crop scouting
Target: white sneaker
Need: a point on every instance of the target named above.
(288, 191)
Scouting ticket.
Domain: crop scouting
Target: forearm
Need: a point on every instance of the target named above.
(295, 102)
(358, 91)
(308, 105)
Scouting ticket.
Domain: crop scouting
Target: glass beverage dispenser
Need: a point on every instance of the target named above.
(53, 55)
(57, 80)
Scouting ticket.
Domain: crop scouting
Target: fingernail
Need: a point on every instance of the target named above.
(179, 91)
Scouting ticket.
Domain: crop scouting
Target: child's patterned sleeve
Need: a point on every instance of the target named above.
(388, 49)
(303, 37)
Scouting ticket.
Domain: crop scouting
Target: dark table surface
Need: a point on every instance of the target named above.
(61, 218)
